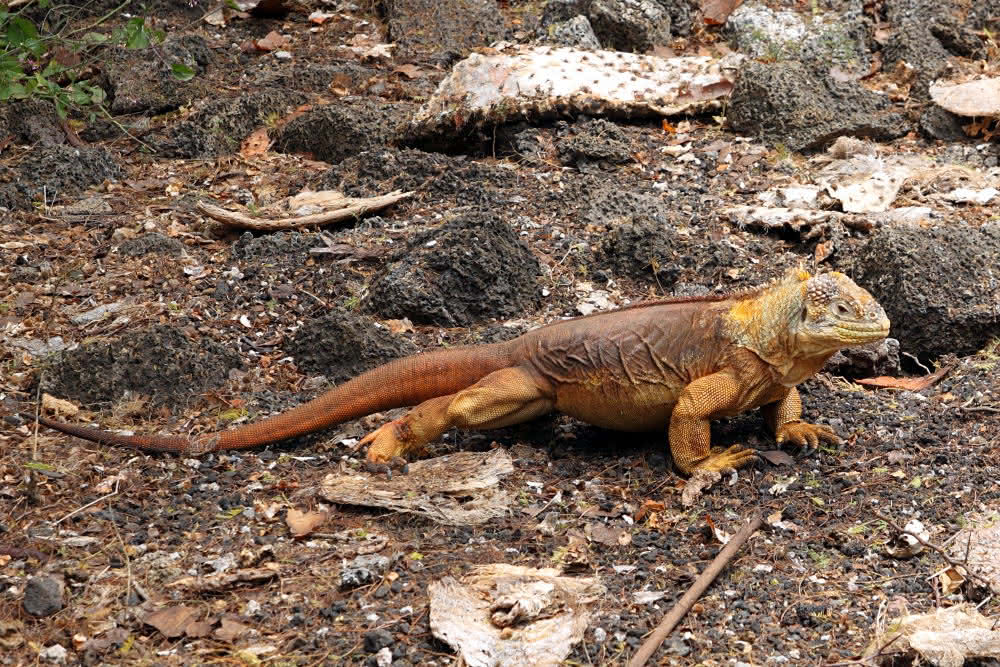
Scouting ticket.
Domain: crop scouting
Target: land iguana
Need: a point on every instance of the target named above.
(675, 363)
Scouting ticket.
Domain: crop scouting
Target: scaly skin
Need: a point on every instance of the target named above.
(676, 363)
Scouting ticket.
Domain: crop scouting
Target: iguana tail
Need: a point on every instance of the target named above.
(399, 383)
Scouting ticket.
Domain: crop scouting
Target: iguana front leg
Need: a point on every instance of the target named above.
(690, 431)
(502, 398)
(784, 419)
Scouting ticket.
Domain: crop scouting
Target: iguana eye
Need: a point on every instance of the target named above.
(841, 310)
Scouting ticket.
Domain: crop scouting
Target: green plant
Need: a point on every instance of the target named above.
(56, 67)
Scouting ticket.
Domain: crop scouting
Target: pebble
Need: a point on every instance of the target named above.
(376, 640)
(43, 596)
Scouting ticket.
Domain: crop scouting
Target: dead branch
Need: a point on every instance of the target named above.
(352, 208)
(703, 581)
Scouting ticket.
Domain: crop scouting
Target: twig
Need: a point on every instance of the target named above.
(930, 545)
(353, 208)
(703, 581)
(92, 502)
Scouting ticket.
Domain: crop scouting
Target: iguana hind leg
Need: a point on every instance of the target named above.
(502, 398)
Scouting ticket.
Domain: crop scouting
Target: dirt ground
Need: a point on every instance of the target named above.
(118, 296)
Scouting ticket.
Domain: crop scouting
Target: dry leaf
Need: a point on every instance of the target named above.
(303, 523)
(272, 41)
(172, 622)
(230, 630)
(58, 407)
(776, 457)
(910, 384)
(256, 144)
(410, 71)
(648, 507)
(400, 326)
(715, 12)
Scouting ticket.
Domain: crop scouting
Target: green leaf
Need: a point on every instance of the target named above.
(20, 31)
(95, 38)
(97, 95)
(36, 465)
(182, 72)
(136, 35)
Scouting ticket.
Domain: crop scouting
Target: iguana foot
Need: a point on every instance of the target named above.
(803, 434)
(721, 460)
(389, 441)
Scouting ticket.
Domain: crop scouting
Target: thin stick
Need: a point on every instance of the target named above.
(706, 578)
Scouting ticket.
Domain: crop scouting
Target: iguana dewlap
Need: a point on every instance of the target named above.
(674, 364)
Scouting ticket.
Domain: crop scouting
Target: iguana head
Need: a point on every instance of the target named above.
(836, 313)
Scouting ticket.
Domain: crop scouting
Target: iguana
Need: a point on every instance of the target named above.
(674, 363)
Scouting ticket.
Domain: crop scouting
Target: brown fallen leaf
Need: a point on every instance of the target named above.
(400, 326)
(58, 406)
(230, 630)
(215, 582)
(410, 71)
(649, 507)
(272, 41)
(172, 622)
(257, 143)
(910, 384)
(715, 12)
(303, 523)
(776, 457)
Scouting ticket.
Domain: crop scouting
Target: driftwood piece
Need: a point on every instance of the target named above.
(349, 208)
(457, 489)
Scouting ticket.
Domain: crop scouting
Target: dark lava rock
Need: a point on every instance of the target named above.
(221, 126)
(376, 640)
(141, 80)
(32, 122)
(590, 145)
(160, 362)
(926, 33)
(880, 358)
(284, 245)
(938, 123)
(317, 78)
(380, 171)
(444, 28)
(342, 345)
(62, 170)
(43, 596)
(630, 25)
(643, 247)
(363, 570)
(154, 242)
(337, 131)
(935, 286)
(469, 269)
(576, 32)
(786, 103)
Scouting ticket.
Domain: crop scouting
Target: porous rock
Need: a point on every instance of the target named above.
(142, 80)
(470, 269)
(160, 362)
(444, 28)
(342, 345)
(221, 125)
(336, 131)
(630, 25)
(787, 103)
(938, 286)
(43, 596)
